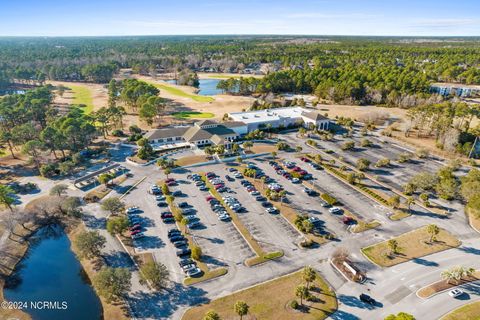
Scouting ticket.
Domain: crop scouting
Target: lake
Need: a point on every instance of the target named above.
(207, 87)
(51, 272)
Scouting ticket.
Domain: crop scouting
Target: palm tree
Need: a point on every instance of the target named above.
(433, 230)
(167, 171)
(410, 202)
(309, 275)
(393, 246)
(241, 308)
(301, 292)
(457, 273)
(282, 195)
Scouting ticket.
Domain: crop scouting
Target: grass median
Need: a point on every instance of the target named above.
(271, 300)
(411, 245)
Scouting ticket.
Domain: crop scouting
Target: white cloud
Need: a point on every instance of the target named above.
(320, 15)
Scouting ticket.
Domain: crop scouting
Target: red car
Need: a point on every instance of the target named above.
(169, 180)
(135, 227)
(296, 169)
(134, 232)
(171, 183)
(209, 198)
(166, 215)
(305, 159)
(219, 186)
(348, 220)
(302, 172)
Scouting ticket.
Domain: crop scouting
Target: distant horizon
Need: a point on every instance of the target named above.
(88, 18)
(243, 35)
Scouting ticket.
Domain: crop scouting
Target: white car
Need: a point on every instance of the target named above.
(194, 272)
(455, 293)
(138, 236)
(271, 210)
(295, 180)
(335, 210)
(223, 217)
(132, 209)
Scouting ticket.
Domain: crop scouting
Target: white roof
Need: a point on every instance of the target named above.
(268, 115)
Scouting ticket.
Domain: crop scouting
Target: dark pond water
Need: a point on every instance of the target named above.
(207, 87)
(51, 272)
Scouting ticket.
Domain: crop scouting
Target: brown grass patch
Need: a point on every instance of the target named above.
(413, 244)
(263, 148)
(189, 160)
(270, 301)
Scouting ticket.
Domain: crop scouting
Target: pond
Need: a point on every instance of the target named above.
(51, 272)
(207, 87)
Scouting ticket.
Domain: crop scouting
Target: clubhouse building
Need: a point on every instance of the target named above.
(209, 132)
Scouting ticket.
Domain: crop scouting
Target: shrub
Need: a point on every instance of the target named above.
(329, 199)
(348, 145)
(196, 252)
(294, 304)
(118, 133)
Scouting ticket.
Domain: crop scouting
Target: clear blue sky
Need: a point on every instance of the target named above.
(160, 17)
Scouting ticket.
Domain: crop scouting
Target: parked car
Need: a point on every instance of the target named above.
(138, 235)
(183, 252)
(203, 188)
(177, 193)
(162, 204)
(348, 220)
(271, 210)
(223, 217)
(181, 243)
(186, 262)
(455, 293)
(238, 175)
(173, 232)
(168, 220)
(367, 299)
(266, 204)
(194, 224)
(199, 183)
(132, 209)
(194, 272)
(176, 237)
(183, 205)
(335, 210)
(160, 198)
(134, 232)
(166, 214)
(135, 227)
(229, 178)
(295, 180)
(260, 198)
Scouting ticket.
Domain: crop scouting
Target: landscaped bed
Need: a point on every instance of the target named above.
(414, 244)
(442, 285)
(470, 311)
(271, 300)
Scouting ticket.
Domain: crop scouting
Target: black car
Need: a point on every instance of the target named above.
(181, 243)
(183, 205)
(183, 252)
(244, 182)
(229, 178)
(177, 238)
(162, 204)
(367, 299)
(172, 232)
(168, 220)
(266, 204)
(260, 198)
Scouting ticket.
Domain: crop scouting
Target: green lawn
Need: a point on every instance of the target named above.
(179, 92)
(193, 115)
(469, 311)
(82, 95)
